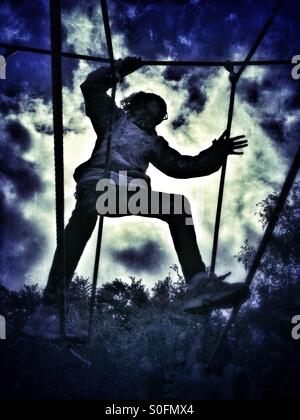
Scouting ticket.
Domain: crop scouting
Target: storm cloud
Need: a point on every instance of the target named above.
(21, 240)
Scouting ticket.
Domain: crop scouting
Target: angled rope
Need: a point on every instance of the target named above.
(222, 182)
(105, 15)
(260, 38)
(235, 77)
(57, 100)
(286, 189)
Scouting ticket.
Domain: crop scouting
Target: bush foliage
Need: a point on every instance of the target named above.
(145, 347)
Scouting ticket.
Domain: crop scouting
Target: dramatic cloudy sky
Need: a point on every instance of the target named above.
(267, 110)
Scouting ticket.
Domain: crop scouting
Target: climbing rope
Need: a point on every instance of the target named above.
(234, 78)
(57, 100)
(289, 182)
(56, 55)
(108, 159)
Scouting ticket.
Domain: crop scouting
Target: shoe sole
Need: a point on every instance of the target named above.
(210, 301)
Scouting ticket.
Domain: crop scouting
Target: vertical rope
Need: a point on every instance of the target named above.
(57, 99)
(234, 80)
(105, 15)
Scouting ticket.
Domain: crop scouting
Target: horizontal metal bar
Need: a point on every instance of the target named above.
(148, 62)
